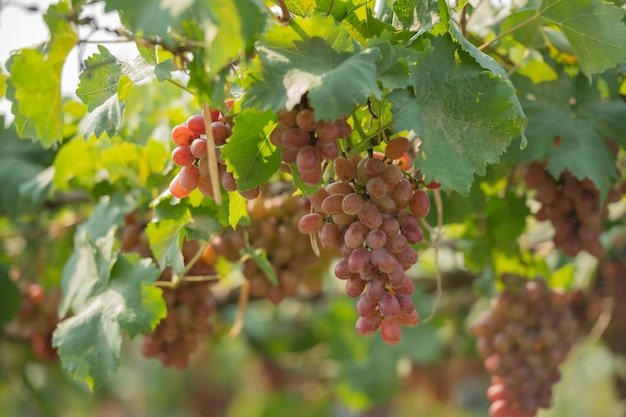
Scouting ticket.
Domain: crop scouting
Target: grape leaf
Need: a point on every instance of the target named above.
(314, 55)
(106, 118)
(582, 117)
(594, 29)
(249, 154)
(89, 342)
(394, 67)
(465, 115)
(237, 209)
(34, 84)
(166, 232)
(150, 17)
(100, 78)
(93, 256)
(9, 296)
(416, 15)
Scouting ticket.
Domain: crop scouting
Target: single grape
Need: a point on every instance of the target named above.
(419, 203)
(195, 123)
(182, 135)
(199, 148)
(310, 223)
(391, 331)
(295, 138)
(305, 120)
(397, 147)
(182, 156)
(176, 189)
(189, 177)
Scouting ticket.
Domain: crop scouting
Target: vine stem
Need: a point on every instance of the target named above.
(179, 85)
(506, 32)
(242, 305)
(436, 243)
(286, 14)
(604, 319)
(210, 141)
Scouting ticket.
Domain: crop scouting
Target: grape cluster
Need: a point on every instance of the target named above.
(191, 154)
(189, 305)
(307, 142)
(274, 229)
(176, 337)
(523, 338)
(37, 318)
(364, 215)
(572, 206)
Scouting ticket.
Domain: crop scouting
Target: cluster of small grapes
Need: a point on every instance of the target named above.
(189, 305)
(37, 318)
(191, 154)
(176, 337)
(274, 229)
(364, 215)
(573, 207)
(307, 142)
(527, 333)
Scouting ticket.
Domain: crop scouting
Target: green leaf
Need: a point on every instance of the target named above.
(3, 84)
(594, 29)
(584, 119)
(100, 79)
(259, 257)
(237, 209)
(89, 342)
(93, 255)
(34, 84)
(249, 154)
(314, 55)
(106, 118)
(465, 115)
(150, 17)
(166, 232)
(416, 15)
(9, 296)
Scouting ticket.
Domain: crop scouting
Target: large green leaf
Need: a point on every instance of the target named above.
(465, 115)
(106, 293)
(583, 117)
(594, 29)
(314, 56)
(249, 154)
(89, 342)
(34, 85)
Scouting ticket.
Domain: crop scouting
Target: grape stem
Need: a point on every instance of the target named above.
(286, 14)
(604, 319)
(436, 241)
(242, 305)
(210, 141)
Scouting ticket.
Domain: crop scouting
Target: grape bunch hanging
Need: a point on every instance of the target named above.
(572, 206)
(189, 304)
(523, 338)
(364, 215)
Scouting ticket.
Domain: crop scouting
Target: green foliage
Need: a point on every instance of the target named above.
(464, 115)
(594, 29)
(249, 154)
(583, 117)
(314, 56)
(106, 294)
(34, 84)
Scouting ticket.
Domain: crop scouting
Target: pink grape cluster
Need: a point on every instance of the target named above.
(307, 142)
(524, 337)
(364, 214)
(191, 154)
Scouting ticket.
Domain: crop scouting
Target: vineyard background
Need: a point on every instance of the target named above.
(85, 196)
